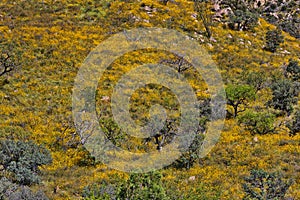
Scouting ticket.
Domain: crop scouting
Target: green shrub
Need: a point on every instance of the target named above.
(255, 79)
(22, 159)
(258, 122)
(137, 187)
(284, 95)
(13, 133)
(142, 187)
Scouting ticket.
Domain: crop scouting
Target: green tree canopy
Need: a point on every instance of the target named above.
(239, 95)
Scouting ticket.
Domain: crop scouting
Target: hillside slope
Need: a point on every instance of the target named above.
(49, 41)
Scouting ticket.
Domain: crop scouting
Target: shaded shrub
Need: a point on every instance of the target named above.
(100, 191)
(284, 95)
(6, 188)
(12, 191)
(24, 193)
(22, 159)
(190, 157)
(243, 20)
(294, 125)
(292, 27)
(293, 70)
(261, 185)
(273, 39)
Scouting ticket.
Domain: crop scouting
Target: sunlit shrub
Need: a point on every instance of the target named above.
(258, 122)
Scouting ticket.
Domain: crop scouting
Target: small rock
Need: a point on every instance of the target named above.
(213, 39)
(105, 98)
(210, 45)
(216, 7)
(255, 139)
(147, 8)
(286, 52)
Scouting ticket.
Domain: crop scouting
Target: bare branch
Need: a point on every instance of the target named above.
(6, 64)
(180, 64)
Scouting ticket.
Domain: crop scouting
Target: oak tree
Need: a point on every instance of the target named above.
(238, 96)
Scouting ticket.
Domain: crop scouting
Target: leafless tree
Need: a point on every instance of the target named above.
(6, 64)
(180, 64)
(164, 136)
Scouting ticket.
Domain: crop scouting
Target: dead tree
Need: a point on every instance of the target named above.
(180, 64)
(164, 136)
(6, 64)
